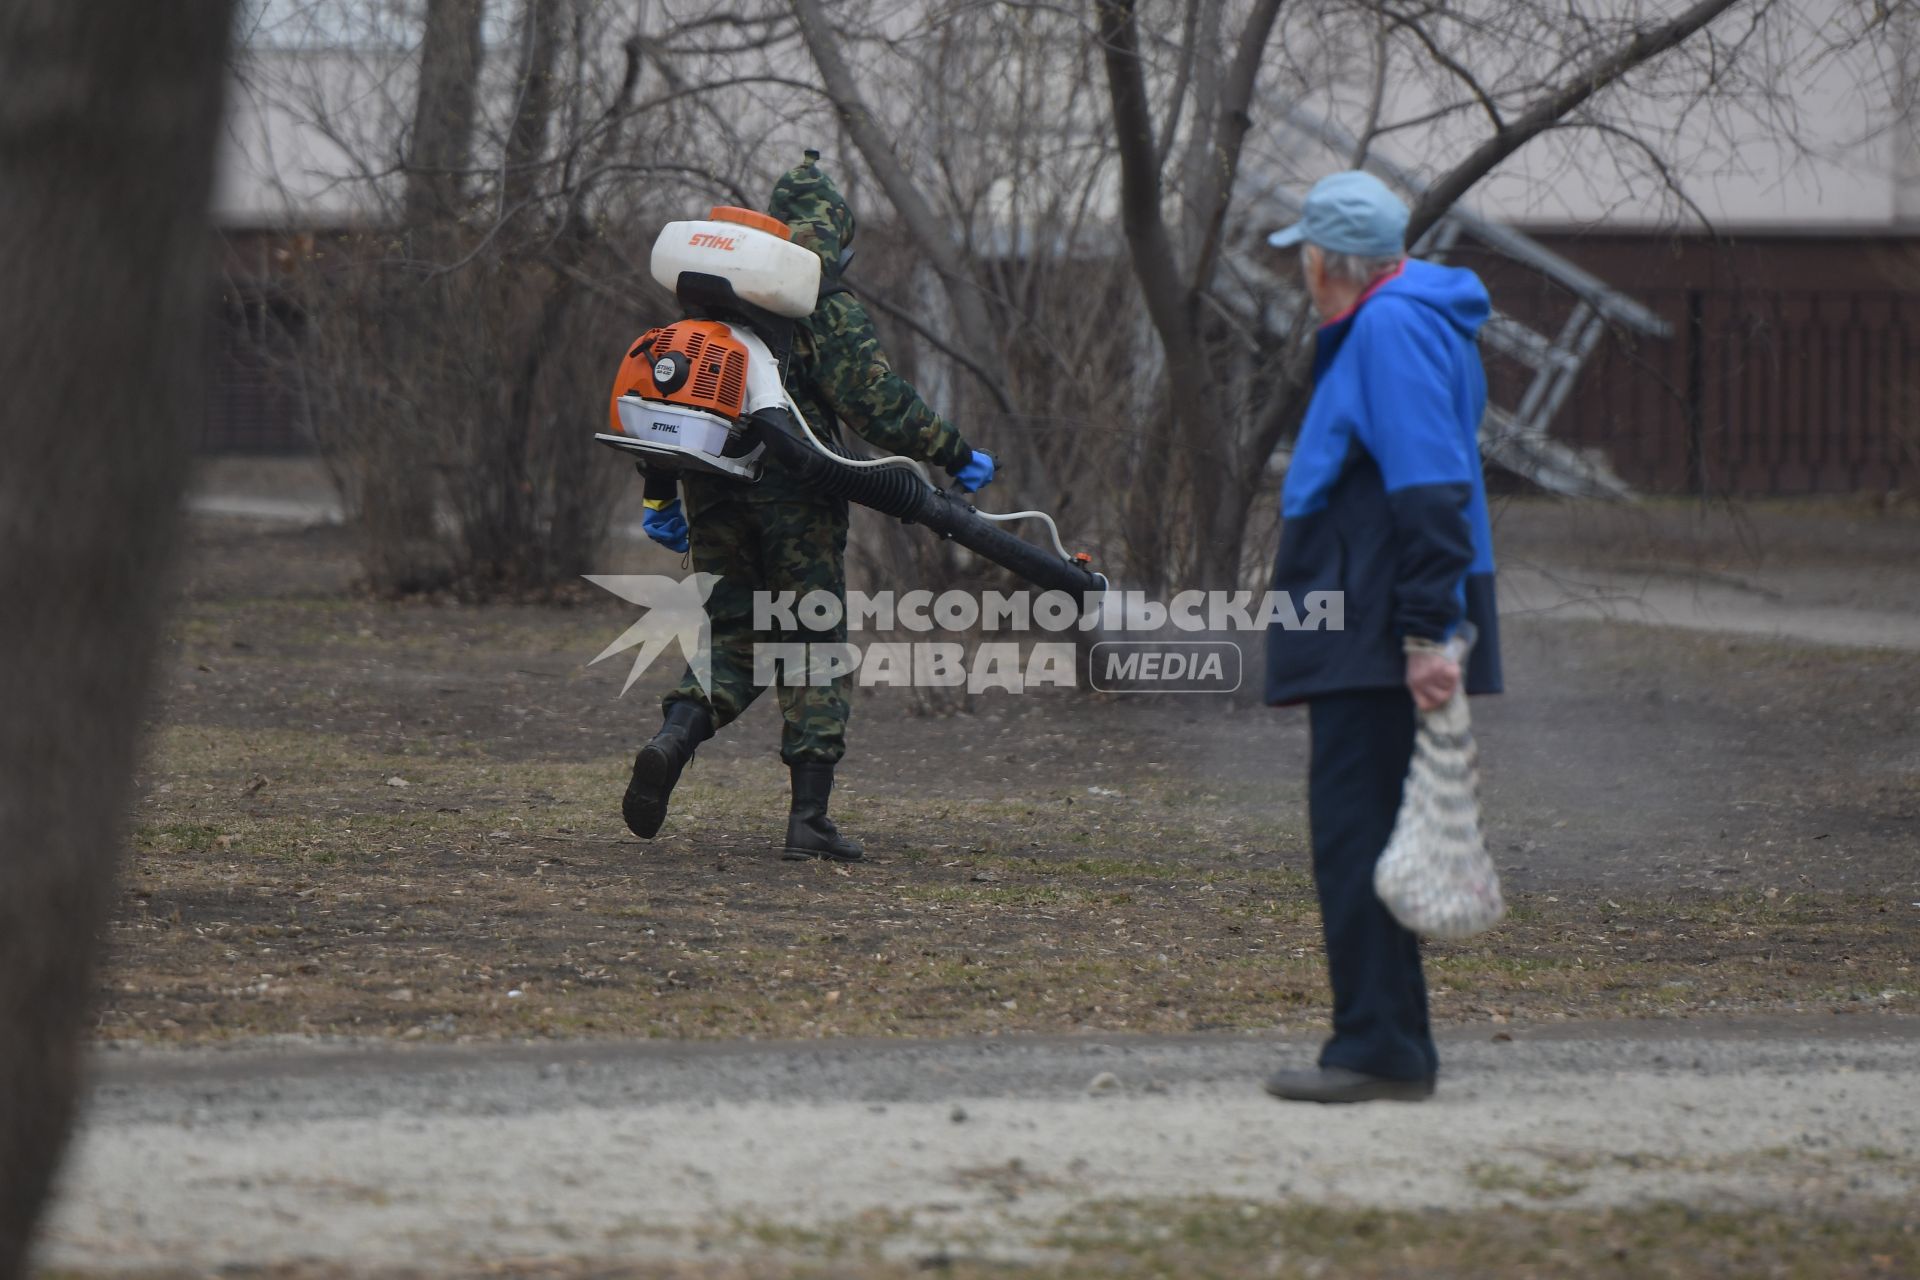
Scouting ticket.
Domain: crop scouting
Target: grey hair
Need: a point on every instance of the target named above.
(1351, 267)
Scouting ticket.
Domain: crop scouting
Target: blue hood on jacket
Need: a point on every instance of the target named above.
(1384, 500)
(1454, 292)
(1413, 333)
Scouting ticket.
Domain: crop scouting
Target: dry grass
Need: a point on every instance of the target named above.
(287, 882)
(1242, 1240)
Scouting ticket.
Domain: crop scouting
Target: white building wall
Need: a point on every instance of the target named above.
(315, 130)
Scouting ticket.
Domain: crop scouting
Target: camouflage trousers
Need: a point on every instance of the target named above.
(771, 547)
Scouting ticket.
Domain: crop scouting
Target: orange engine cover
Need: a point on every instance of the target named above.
(695, 363)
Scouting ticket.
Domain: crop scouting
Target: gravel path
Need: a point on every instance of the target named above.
(1780, 605)
(439, 1157)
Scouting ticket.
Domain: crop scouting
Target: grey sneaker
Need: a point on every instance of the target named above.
(1341, 1084)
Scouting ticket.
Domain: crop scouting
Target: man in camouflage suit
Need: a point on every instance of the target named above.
(778, 535)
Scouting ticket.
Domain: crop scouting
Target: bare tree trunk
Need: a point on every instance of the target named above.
(506, 540)
(1229, 135)
(108, 111)
(503, 539)
(1556, 105)
(527, 138)
(443, 111)
(1196, 424)
(929, 231)
(397, 503)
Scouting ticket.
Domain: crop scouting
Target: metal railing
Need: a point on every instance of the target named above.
(1514, 434)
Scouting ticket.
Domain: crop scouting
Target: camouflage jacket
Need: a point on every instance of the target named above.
(838, 373)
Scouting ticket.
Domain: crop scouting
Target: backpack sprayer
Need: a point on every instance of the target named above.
(707, 395)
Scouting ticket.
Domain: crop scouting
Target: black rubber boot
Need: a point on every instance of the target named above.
(810, 833)
(658, 767)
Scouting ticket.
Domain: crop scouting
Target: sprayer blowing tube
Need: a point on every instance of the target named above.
(896, 491)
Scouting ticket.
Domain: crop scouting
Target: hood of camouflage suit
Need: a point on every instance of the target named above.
(815, 212)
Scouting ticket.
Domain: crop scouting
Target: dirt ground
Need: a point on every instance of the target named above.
(397, 823)
(402, 819)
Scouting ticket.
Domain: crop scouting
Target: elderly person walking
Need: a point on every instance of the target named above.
(1383, 502)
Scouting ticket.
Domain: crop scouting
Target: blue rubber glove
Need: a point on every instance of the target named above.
(977, 474)
(665, 525)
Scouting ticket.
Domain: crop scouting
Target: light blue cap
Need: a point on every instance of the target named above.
(1351, 212)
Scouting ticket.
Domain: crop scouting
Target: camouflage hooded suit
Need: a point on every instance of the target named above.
(778, 535)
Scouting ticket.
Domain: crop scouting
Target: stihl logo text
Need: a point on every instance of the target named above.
(707, 240)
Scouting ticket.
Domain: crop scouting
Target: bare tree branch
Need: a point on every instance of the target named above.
(927, 228)
(527, 135)
(995, 385)
(1382, 59)
(1177, 96)
(443, 110)
(1195, 411)
(1453, 68)
(1155, 262)
(1230, 134)
(1668, 178)
(1556, 105)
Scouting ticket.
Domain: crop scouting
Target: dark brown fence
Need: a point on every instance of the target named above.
(1790, 391)
(254, 405)
(1794, 365)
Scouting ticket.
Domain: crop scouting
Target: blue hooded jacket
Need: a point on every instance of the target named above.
(1384, 500)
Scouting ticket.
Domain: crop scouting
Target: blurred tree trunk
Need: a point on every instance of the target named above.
(533, 112)
(504, 538)
(1194, 442)
(397, 499)
(443, 113)
(108, 112)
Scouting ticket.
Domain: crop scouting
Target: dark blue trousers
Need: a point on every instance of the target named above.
(1362, 744)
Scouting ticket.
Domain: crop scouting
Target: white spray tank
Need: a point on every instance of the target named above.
(750, 251)
(684, 392)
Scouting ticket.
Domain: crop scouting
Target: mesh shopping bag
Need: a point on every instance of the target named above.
(1436, 875)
